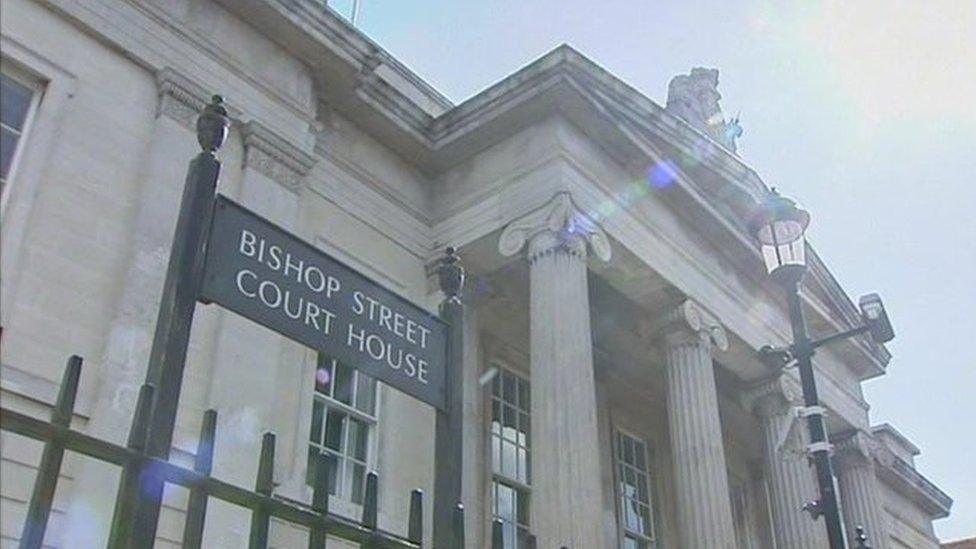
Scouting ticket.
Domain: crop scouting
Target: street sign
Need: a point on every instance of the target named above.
(270, 276)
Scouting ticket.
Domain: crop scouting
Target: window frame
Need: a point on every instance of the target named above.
(371, 421)
(36, 85)
(519, 487)
(624, 533)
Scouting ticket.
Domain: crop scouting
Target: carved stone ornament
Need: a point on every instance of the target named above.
(179, 97)
(183, 100)
(774, 395)
(855, 449)
(450, 274)
(690, 320)
(694, 98)
(274, 156)
(559, 225)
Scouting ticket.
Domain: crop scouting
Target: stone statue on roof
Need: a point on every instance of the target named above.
(694, 98)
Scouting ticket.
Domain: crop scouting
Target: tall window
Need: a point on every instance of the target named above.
(17, 100)
(634, 492)
(511, 456)
(343, 414)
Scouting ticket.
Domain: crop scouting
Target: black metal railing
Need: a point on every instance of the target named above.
(58, 437)
(138, 467)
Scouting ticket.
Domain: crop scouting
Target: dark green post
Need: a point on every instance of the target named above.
(184, 277)
(448, 429)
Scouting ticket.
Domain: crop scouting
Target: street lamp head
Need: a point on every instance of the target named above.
(876, 318)
(779, 225)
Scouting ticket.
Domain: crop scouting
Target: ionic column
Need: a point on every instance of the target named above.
(566, 460)
(859, 496)
(790, 479)
(700, 474)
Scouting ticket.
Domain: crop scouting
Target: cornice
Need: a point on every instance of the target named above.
(273, 156)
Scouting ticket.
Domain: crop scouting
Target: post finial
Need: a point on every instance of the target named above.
(213, 125)
(450, 274)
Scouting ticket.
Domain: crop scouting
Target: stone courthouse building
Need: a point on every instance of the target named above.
(615, 301)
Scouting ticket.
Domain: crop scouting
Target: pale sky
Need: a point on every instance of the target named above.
(863, 110)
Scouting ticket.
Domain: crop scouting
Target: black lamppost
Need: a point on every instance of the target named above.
(779, 226)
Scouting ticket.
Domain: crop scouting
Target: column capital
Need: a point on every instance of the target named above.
(275, 157)
(855, 449)
(688, 321)
(772, 396)
(558, 225)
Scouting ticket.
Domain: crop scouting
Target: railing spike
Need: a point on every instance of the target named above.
(370, 501)
(49, 469)
(320, 502)
(459, 537)
(140, 420)
(196, 508)
(264, 485)
(415, 526)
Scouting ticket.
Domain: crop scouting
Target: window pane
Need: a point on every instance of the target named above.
(523, 387)
(357, 439)
(522, 507)
(357, 481)
(505, 503)
(333, 430)
(508, 384)
(639, 452)
(15, 99)
(509, 425)
(342, 390)
(311, 470)
(365, 394)
(323, 375)
(318, 412)
(523, 466)
(8, 143)
(524, 425)
(508, 459)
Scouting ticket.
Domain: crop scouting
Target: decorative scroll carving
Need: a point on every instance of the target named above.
(559, 225)
(773, 396)
(689, 320)
(275, 157)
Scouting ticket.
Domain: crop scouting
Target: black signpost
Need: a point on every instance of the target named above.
(225, 254)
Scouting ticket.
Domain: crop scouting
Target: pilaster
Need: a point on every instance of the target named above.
(566, 458)
(689, 335)
(126, 355)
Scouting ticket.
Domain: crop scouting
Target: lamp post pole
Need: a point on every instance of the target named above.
(802, 351)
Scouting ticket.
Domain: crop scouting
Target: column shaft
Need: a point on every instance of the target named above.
(790, 479)
(860, 499)
(700, 477)
(566, 462)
